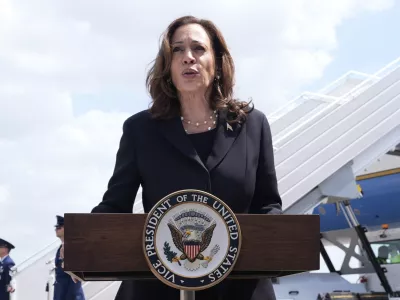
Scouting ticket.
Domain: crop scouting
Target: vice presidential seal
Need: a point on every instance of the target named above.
(191, 240)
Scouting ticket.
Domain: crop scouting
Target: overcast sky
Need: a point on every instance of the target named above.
(72, 71)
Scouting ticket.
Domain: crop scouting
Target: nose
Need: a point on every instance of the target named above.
(188, 58)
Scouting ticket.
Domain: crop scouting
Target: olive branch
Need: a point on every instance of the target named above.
(169, 253)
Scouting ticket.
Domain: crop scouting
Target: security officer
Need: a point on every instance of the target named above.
(65, 288)
(6, 263)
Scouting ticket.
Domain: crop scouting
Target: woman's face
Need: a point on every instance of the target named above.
(193, 62)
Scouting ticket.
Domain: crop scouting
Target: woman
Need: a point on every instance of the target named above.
(194, 136)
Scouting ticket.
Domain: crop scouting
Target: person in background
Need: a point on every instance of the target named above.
(196, 135)
(6, 263)
(65, 287)
(383, 254)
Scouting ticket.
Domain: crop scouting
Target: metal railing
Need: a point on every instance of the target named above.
(35, 257)
(348, 96)
(358, 89)
(104, 290)
(342, 79)
(305, 96)
(322, 93)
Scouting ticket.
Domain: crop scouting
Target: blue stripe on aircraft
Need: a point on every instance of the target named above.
(379, 205)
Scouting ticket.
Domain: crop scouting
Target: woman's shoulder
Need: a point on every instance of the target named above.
(257, 118)
(138, 118)
(139, 121)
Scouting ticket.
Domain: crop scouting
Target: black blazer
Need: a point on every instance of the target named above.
(158, 155)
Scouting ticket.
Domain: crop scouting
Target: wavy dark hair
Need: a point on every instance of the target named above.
(165, 103)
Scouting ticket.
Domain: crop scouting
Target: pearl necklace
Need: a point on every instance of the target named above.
(205, 122)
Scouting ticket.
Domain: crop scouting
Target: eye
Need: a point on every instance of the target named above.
(199, 48)
(176, 49)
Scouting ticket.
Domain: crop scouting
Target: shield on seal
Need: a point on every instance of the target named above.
(192, 249)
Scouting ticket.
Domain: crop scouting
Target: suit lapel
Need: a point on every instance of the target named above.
(174, 132)
(224, 137)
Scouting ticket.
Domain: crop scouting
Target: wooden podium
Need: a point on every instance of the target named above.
(272, 246)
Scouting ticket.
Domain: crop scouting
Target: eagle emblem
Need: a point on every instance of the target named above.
(191, 232)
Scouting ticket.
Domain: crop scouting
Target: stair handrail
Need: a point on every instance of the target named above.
(95, 296)
(297, 100)
(330, 86)
(273, 116)
(354, 92)
(36, 256)
(277, 113)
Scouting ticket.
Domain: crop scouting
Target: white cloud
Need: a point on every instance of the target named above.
(4, 194)
(53, 161)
